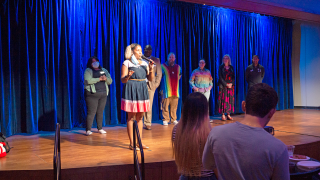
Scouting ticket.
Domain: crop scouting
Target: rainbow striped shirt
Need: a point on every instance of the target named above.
(170, 80)
(201, 79)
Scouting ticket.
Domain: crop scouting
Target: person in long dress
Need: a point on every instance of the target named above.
(226, 88)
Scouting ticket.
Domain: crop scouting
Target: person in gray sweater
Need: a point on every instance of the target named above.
(244, 150)
(96, 81)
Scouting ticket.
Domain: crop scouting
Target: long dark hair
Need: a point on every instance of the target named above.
(191, 134)
(89, 63)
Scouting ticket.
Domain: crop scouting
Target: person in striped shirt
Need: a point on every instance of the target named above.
(169, 89)
(201, 80)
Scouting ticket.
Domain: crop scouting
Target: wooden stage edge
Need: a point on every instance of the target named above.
(106, 156)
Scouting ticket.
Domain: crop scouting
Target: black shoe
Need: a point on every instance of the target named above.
(147, 127)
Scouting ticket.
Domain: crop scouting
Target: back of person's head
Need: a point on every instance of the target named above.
(194, 111)
(191, 134)
(260, 100)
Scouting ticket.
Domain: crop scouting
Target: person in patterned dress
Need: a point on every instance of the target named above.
(226, 88)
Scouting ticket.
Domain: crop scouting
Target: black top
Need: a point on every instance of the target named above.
(101, 85)
(226, 76)
(254, 75)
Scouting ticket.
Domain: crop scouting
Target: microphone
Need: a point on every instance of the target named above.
(102, 73)
(145, 58)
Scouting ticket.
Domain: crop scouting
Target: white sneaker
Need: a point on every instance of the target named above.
(165, 123)
(101, 131)
(175, 122)
(88, 133)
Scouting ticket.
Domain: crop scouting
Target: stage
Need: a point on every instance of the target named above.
(107, 156)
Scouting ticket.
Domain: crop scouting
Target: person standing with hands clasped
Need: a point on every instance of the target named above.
(201, 80)
(254, 72)
(135, 96)
(226, 88)
(171, 74)
(96, 81)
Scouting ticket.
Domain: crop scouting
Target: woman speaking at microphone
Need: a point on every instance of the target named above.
(96, 81)
(135, 96)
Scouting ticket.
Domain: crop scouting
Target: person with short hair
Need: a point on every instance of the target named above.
(135, 97)
(171, 74)
(255, 72)
(244, 150)
(152, 85)
(96, 81)
(189, 138)
(226, 88)
(201, 79)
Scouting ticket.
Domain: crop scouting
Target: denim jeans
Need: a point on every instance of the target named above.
(182, 177)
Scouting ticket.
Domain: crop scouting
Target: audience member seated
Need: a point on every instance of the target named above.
(244, 150)
(189, 138)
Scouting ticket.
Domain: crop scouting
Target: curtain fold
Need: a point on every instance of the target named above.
(45, 45)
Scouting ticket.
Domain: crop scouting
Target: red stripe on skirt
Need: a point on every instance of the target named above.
(135, 106)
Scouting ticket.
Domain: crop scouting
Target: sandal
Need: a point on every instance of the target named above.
(131, 148)
(229, 117)
(147, 127)
(144, 147)
(223, 117)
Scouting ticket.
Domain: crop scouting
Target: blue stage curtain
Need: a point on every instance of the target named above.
(45, 45)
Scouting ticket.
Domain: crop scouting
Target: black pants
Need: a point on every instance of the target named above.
(95, 105)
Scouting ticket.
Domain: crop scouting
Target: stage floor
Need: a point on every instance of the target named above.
(35, 152)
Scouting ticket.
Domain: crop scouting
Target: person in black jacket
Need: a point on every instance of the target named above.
(254, 72)
(226, 88)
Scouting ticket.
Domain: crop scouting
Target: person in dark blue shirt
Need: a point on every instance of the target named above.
(254, 72)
